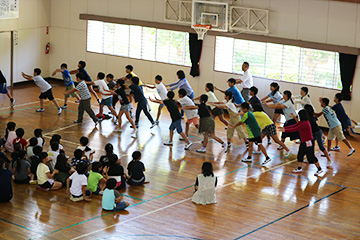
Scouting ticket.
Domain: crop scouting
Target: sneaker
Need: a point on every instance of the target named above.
(336, 148)
(40, 110)
(226, 149)
(77, 101)
(329, 164)
(229, 145)
(153, 125)
(101, 192)
(247, 144)
(256, 152)
(247, 160)
(324, 140)
(226, 128)
(287, 154)
(280, 148)
(157, 122)
(298, 141)
(318, 172)
(98, 100)
(266, 161)
(296, 170)
(168, 143)
(13, 103)
(136, 125)
(33, 182)
(77, 121)
(269, 141)
(323, 155)
(188, 145)
(182, 139)
(96, 123)
(64, 107)
(351, 152)
(59, 111)
(201, 150)
(223, 145)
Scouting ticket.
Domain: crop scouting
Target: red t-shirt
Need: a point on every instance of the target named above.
(22, 141)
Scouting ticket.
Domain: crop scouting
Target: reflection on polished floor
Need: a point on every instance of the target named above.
(254, 202)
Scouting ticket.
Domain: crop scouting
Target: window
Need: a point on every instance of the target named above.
(280, 62)
(138, 42)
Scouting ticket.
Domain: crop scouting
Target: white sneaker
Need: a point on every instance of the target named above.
(168, 143)
(256, 152)
(297, 170)
(223, 145)
(351, 152)
(266, 161)
(64, 107)
(59, 111)
(188, 145)
(13, 103)
(247, 160)
(336, 148)
(201, 150)
(269, 141)
(324, 140)
(318, 172)
(329, 164)
(287, 154)
(153, 125)
(40, 110)
(280, 148)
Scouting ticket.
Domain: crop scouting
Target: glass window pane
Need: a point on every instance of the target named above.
(251, 52)
(109, 30)
(162, 45)
(121, 40)
(177, 53)
(148, 43)
(291, 61)
(95, 36)
(187, 50)
(135, 41)
(274, 59)
(224, 54)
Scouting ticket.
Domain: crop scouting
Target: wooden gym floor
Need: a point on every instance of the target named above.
(254, 202)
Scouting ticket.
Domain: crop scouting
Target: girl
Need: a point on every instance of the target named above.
(287, 107)
(56, 138)
(116, 171)
(39, 136)
(307, 142)
(6, 192)
(234, 119)
(21, 168)
(64, 169)
(45, 178)
(88, 152)
(207, 123)
(10, 136)
(35, 161)
(105, 159)
(215, 110)
(205, 186)
(29, 151)
(78, 184)
(136, 170)
(111, 200)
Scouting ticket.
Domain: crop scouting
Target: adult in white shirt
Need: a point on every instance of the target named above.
(246, 82)
(106, 97)
(45, 87)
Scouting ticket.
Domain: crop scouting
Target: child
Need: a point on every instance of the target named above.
(6, 192)
(45, 87)
(10, 136)
(335, 130)
(238, 99)
(304, 98)
(97, 181)
(53, 154)
(234, 119)
(182, 83)
(275, 97)
(307, 142)
(106, 98)
(136, 170)
(19, 138)
(56, 138)
(207, 123)
(21, 168)
(64, 169)
(35, 161)
(112, 87)
(205, 185)
(175, 119)
(69, 84)
(215, 111)
(78, 184)
(105, 159)
(161, 90)
(192, 116)
(4, 90)
(111, 200)
(254, 132)
(45, 178)
(254, 99)
(78, 158)
(29, 151)
(88, 152)
(116, 171)
(85, 102)
(39, 136)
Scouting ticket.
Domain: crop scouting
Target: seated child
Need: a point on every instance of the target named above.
(45, 178)
(21, 168)
(29, 151)
(104, 159)
(64, 169)
(6, 192)
(53, 154)
(78, 184)
(19, 138)
(88, 152)
(10, 136)
(78, 158)
(34, 162)
(39, 137)
(205, 186)
(96, 180)
(136, 170)
(56, 138)
(111, 200)
(116, 171)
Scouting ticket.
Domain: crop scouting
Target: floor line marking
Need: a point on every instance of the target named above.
(20, 105)
(18, 225)
(289, 214)
(20, 110)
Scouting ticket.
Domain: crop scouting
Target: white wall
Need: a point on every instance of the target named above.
(312, 20)
(34, 16)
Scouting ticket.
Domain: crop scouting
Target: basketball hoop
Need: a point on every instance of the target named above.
(201, 30)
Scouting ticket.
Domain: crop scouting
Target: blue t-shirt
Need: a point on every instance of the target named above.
(237, 95)
(67, 78)
(108, 199)
(340, 113)
(330, 117)
(86, 75)
(276, 97)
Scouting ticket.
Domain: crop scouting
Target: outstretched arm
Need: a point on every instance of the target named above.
(190, 107)
(149, 86)
(56, 71)
(74, 71)
(27, 77)
(220, 90)
(156, 101)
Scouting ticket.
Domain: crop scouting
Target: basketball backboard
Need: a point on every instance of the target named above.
(211, 13)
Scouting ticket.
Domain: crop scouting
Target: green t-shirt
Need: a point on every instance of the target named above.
(93, 180)
(252, 127)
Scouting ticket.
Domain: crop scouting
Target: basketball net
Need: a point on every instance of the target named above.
(201, 30)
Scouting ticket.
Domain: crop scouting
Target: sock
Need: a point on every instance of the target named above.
(299, 168)
(11, 99)
(267, 157)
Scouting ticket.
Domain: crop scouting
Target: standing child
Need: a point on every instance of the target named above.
(78, 184)
(39, 136)
(254, 132)
(10, 136)
(207, 123)
(6, 192)
(111, 200)
(97, 180)
(304, 98)
(238, 99)
(69, 84)
(192, 116)
(21, 168)
(45, 87)
(4, 90)
(205, 185)
(136, 170)
(254, 99)
(106, 98)
(112, 87)
(45, 178)
(19, 138)
(88, 152)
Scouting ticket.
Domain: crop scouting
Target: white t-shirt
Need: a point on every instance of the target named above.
(83, 90)
(43, 85)
(288, 110)
(186, 101)
(102, 85)
(77, 182)
(162, 91)
(41, 171)
(53, 156)
(40, 141)
(231, 106)
(211, 98)
(87, 153)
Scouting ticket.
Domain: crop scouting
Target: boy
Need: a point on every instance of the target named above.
(112, 86)
(78, 158)
(254, 132)
(162, 91)
(136, 170)
(19, 138)
(111, 200)
(175, 119)
(106, 98)
(4, 90)
(235, 91)
(254, 100)
(129, 75)
(39, 137)
(69, 84)
(85, 102)
(96, 180)
(142, 102)
(78, 184)
(87, 151)
(53, 154)
(335, 130)
(45, 87)
(192, 115)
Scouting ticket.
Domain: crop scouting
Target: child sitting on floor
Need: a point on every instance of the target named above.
(21, 168)
(88, 152)
(39, 136)
(205, 185)
(78, 184)
(35, 161)
(19, 138)
(136, 170)
(6, 192)
(111, 200)
(53, 154)
(29, 150)
(45, 178)
(10, 136)
(78, 158)
(64, 169)
(97, 181)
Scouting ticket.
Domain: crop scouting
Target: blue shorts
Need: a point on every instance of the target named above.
(106, 102)
(3, 88)
(120, 206)
(176, 125)
(345, 125)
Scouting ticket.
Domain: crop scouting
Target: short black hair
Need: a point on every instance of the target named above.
(182, 92)
(111, 183)
(246, 64)
(95, 167)
(305, 89)
(38, 132)
(120, 82)
(229, 95)
(43, 155)
(113, 158)
(82, 64)
(204, 98)
(54, 146)
(210, 86)
(33, 141)
(254, 89)
(136, 155)
(20, 132)
(64, 65)
(130, 67)
(339, 97)
(78, 153)
(11, 125)
(180, 74)
(303, 115)
(170, 94)
(81, 168)
(80, 76)
(101, 75)
(326, 101)
(84, 140)
(135, 80)
(158, 77)
(56, 138)
(257, 108)
(17, 146)
(232, 80)
(37, 150)
(37, 71)
(245, 105)
(110, 76)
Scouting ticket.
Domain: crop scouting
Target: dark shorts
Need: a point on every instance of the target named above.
(136, 182)
(345, 125)
(269, 130)
(256, 140)
(176, 125)
(47, 184)
(279, 111)
(106, 102)
(217, 112)
(47, 95)
(24, 181)
(3, 88)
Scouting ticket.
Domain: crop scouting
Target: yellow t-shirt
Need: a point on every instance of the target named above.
(134, 75)
(41, 171)
(262, 119)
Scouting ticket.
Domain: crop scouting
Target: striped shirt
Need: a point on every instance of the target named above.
(83, 90)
